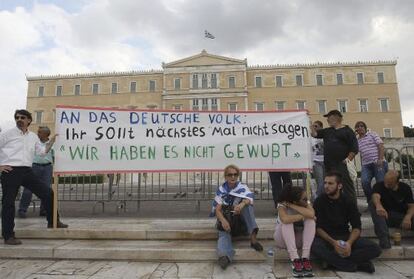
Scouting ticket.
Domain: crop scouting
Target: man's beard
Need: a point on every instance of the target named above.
(334, 193)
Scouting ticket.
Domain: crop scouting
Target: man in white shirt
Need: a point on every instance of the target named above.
(18, 146)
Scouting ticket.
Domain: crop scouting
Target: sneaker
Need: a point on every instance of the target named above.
(60, 225)
(384, 243)
(21, 214)
(223, 262)
(307, 268)
(297, 268)
(12, 241)
(366, 267)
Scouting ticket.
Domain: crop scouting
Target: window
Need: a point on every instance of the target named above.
(39, 115)
(95, 89)
(214, 105)
(279, 81)
(232, 106)
(319, 80)
(300, 104)
(299, 80)
(152, 85)
(343, 105)
(339, 79)
(195, 81)
(40, 91)
(133, 87)
(232, 82)
(384, 107)
(322, 106)
(280, 105)
(204, 104)
(259, 106)
(363, 105)
(213, 80)
(177, 84)
(360, 78)
(204, 81)
(77, 89)
(380, 76)
(59, 90)
(177, 107)
(387, 132)
(195, 104)
(258, 81)
(114, 88)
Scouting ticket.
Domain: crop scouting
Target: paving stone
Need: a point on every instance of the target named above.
(22, 268)
(382, 271)
(406, 268)
(195, 270)
(244, 271)
(86, 268)
(125, 270)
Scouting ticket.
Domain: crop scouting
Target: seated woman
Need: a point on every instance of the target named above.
(233, 198)
(295, 228)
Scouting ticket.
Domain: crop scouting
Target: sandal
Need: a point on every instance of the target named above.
(256, 246)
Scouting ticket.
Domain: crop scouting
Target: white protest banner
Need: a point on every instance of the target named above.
(102, 140)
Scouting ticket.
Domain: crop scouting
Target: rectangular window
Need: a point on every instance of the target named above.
(339, 79)
(363, 105)
(259, 106)
(133, 87)
(177, 107)
(279, 81)
(343, 105)
(322, 106)
(232, 82)
(195, 104)
(152, 85)
(360, 78)
(380, 76)
(280, 105)
(40, 91)
(214, 104)
(232, 106)
(114, 88)
(299, 80)
(387, 132)
(39, 115)
(204, 104)
(177, 84)
(77, 89)
(384, 106)
(258, 81)
(319, 80)
(300, 104)
(59, 90)
(204, 81)
(195, 81)
(213, 80)
(95, 89)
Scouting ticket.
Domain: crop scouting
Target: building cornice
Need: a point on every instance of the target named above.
(323, 65)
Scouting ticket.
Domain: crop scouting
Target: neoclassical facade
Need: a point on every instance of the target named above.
(365, 91)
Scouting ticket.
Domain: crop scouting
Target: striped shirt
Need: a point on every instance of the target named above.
(368, 147)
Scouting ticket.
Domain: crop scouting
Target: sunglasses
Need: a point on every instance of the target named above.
(232, 174)
(20, 117)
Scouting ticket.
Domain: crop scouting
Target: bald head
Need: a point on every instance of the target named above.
(391, 179)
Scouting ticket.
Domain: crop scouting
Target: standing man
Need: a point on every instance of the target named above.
(340, 147)
(43, 168)
(17, 149)
(279, 179)
(334, 243)
(392, 206)
(317, 159)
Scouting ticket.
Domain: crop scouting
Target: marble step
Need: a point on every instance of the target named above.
(154, 250)
(148, 229)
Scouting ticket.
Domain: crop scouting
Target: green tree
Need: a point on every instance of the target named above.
(408, 132)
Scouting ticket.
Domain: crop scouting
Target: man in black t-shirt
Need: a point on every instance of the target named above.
(392, 205)
(334, 243)
(340, 147)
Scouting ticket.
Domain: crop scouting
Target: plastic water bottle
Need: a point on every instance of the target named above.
(343, 245)
(270, 259)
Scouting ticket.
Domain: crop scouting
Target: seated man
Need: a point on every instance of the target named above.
(334, 243)
(236, 199)
(392, 205)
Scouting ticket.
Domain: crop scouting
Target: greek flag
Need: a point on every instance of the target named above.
(208, 35)
(227, 196)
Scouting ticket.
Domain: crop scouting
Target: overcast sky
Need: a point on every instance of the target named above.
(81, 36)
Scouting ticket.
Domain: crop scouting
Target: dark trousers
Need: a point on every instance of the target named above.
(381, 224)
(348, 187)
(10, 183)
(45, 174)
(363, 250)
(278, 180)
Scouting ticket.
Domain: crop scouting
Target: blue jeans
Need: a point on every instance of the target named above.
(319, 175)
(224, 245)
(368, 172)
(45, 174)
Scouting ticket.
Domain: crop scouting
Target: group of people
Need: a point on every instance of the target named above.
(330, 229)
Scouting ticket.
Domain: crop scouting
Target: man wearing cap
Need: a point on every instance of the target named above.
(340, 147)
